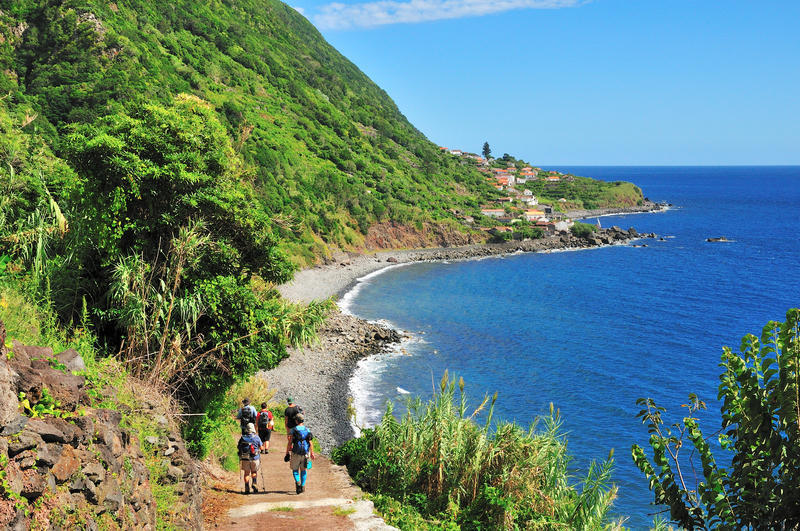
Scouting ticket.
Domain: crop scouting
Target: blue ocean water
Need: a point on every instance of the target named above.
(591, 331)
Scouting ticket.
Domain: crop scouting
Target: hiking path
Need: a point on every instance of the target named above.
(331, 500)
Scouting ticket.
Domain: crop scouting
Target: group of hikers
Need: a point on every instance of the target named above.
(257, 427)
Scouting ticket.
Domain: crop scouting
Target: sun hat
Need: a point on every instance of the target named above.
(251, 428)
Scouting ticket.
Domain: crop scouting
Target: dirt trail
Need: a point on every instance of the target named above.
(329, 491)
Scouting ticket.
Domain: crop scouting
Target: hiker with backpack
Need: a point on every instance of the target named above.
(290, 413)
(246, 415)
(299, 452)
(265, 424)
(249, 457)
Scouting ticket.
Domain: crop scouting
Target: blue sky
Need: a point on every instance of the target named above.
(565, 82)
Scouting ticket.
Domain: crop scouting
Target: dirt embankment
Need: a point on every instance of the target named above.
(391, 235)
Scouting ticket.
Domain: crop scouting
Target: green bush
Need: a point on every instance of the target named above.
(760, 438)
(582, 230)
(445, 467)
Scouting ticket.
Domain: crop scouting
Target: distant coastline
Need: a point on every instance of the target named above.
(336, 279)
(319, 375)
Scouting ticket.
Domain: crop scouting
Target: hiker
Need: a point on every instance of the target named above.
(246, 415)
(265, 424)
(299, 453)
(249, 457)
(290, 414)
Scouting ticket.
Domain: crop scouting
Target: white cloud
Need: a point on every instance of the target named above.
(346, 16)
(300, 10)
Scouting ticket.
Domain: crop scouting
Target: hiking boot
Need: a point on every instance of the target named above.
(255, 489)
(297, 488)
(247, 488)
(302, 488)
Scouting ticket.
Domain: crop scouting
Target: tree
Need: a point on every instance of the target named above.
(487, 151)
(158, 168)
(760, 438)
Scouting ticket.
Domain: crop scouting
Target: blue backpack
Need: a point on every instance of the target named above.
(247, 450)
(300, 440)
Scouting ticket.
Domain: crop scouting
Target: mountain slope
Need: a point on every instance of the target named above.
(329, 151)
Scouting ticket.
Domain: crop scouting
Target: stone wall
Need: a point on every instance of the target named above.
(87, 469)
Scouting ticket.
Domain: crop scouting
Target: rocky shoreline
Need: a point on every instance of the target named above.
(318, 376)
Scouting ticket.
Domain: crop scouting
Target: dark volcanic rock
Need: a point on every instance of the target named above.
(98, 461)
(46, 431)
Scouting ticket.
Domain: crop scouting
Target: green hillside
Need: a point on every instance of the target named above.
(327, 151)
(165, 164)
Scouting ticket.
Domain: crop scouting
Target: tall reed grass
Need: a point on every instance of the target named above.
(437, 459)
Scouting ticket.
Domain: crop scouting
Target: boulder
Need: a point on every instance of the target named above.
(174, 473)
(29, 353)
(9, 406)
(25, 441)
(94, 472)
(14, 426)
(47, 455)
(14, 477)
(46, 431)
(72, 360)
(34, 484)
(86, 487)
(110, 495)
(68, 463)
(69, 430)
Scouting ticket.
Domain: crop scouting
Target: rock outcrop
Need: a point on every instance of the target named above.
(67, 464)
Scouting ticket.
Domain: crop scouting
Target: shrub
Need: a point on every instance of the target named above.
(438, 461)
(760, 438)
(582, 230)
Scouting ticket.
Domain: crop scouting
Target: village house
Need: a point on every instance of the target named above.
(548, 228)
(493, 212)
(456, 152)
(563, 225)
(534, 215)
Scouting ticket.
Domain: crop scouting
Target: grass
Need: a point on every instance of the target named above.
(442, 468)
(343, 511)
(283, 508)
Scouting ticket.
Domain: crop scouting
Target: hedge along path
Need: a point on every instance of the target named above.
(276, 506)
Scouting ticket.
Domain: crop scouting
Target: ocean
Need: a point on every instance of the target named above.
(591, 331)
